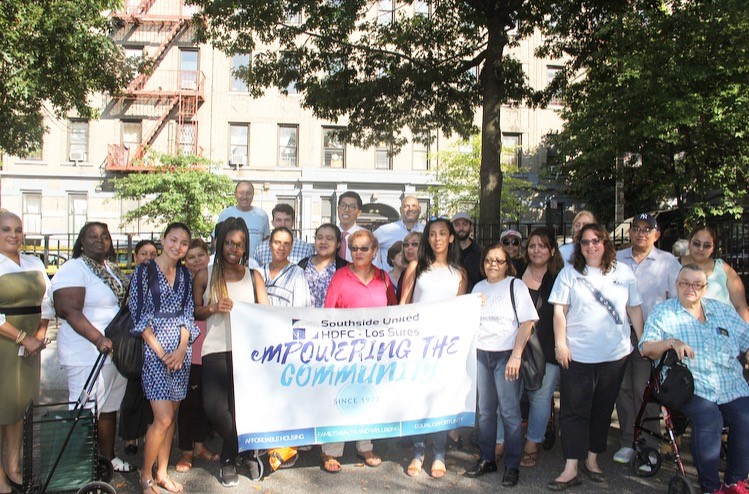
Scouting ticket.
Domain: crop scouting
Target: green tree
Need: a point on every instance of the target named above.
(55, 53)
(457, 172)
(664, 92)
(180, 188)
(385, 70)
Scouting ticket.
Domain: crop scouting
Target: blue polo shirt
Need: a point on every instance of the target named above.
(717, 344)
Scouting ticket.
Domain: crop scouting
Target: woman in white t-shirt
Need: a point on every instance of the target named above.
(595, 301)
(504, 330)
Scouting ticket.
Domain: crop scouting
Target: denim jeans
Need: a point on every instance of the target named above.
(495, 391)
(439, 439)
(707, 420)
(540, 407)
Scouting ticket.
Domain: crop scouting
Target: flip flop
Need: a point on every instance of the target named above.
(207, 455)
(185, 463)
(330, 464)
(370, 459)
(529, 459)
(163, 483)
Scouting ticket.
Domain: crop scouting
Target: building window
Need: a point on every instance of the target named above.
(186, 138)
(326, 210)
(551, 72)
(384, 156)
(385, 12)
(77, 212)
(421, 8)
(294, 18)
(512, 150)
(239, 61)
(239, 144)
(189, 66)
(426, 206)
(32, 212)
(333, 150)
(131, 134)
(78, 141)
(288, 145)
(421, 151)
(35, 154)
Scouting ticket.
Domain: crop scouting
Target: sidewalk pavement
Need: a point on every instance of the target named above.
(308, 477)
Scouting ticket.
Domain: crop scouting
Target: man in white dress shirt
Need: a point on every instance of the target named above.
(349, 209)
(390, 233)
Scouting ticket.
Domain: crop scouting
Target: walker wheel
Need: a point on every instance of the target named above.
(97, 488)
(646, 461)
(104, 469)
(680, 484)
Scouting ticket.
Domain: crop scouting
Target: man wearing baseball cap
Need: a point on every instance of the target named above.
(656, 273)
(470, 251)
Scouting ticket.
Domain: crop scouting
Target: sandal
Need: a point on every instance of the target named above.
(414, 468)
(330, 464)
(166, 482)
(207, 455)
(438, 469)
(529, 459)
(185, 463)
(370, 459)
(146, 485)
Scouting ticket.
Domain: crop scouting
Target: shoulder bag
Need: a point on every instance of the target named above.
(533, 363)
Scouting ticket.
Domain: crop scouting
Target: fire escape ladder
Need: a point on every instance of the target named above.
(153, 132)
(140, 81)
(144, 7)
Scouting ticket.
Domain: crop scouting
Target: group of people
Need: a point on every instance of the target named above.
(598, 315)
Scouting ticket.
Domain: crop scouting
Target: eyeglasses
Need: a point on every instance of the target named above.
(363, 248)
(410, 244)
(498, 262)
(593, 241)
(511, 241)
(701, 245)
(646, 230)
(696, 286)
(232, 245)
(348, 207)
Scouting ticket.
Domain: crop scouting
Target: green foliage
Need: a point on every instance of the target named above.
(180, 188)
(53, 54)
(458, 172)
(379, 78)
(667, 82)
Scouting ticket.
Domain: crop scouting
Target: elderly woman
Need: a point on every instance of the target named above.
(595, 301)
(723, 283)
(709, 336)
(88, 290)
(360, 284)
(25, 311)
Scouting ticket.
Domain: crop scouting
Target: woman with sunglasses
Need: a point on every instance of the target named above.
(436, 275)
(595, 302)
(512, 241)
(410, 253)
(360, 284)
(723, 283)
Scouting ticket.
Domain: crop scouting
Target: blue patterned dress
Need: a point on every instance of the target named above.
(166, 309)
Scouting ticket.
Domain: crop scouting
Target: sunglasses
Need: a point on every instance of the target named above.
(364, 248)
(511, 241)
(593, 241)
(410, 244)
(704, 245)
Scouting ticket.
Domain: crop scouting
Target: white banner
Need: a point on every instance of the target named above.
(311, 376)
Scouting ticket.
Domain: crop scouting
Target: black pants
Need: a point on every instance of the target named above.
(218, 401)
(192, 423)
(587, 396)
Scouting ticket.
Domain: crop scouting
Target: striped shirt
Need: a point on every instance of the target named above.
(717, 343)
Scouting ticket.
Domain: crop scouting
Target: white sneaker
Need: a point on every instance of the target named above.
(624, 455)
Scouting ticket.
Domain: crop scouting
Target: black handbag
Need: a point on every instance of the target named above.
(533, 363)
(127, 349)
(677, 386)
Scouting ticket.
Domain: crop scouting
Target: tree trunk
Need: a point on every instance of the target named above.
(490, 191)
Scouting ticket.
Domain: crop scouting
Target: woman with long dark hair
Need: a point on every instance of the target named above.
(162, 307)
(215, 289)
(436, 275)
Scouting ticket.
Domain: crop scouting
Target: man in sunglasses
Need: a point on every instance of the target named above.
(656, 273)
(470, 251)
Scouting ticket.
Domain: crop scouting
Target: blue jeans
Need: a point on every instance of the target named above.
(540, 407)
(439, 439)
(495, 391)
(707, 420)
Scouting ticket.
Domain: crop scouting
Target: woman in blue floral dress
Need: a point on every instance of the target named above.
(161, 303)
(320, 268)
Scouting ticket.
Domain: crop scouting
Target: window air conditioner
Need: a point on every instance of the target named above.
(77, 156)
(238, 160)
(189, 85)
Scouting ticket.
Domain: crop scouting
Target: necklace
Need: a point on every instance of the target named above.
(533, 275)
